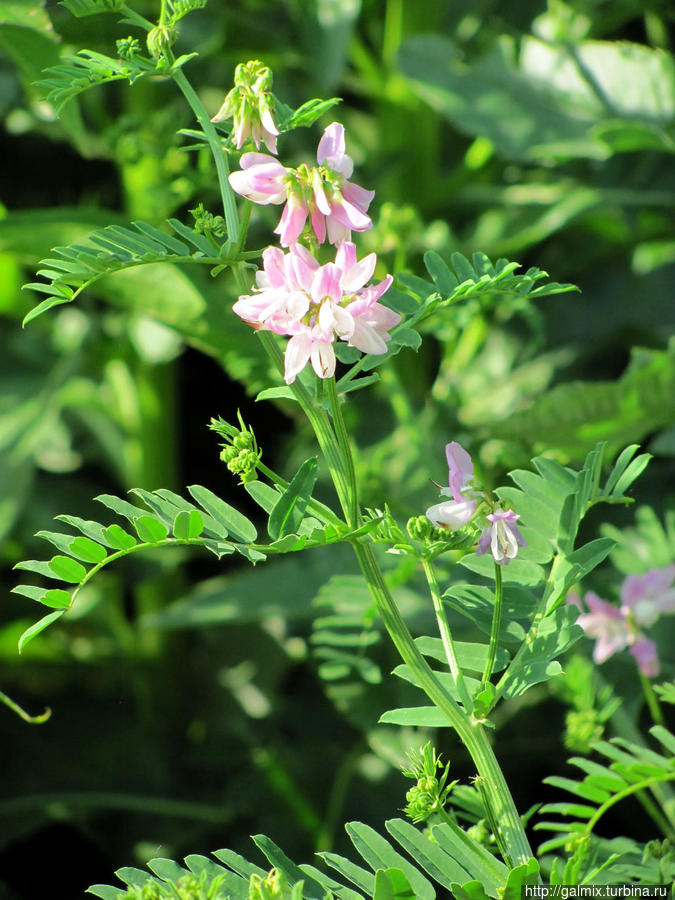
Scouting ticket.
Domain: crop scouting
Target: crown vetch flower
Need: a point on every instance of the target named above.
(646, 656)
(502, 537)
(452, 514)
(316, 304)
(460, 471)
(249, 103)
(334, 205)
(607, 624)
(649, 596)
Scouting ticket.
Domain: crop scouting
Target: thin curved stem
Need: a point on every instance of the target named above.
(446, 635)
(652, 700)
(219, 157)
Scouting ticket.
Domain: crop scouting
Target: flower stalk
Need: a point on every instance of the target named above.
(446, 635)
(494, 631)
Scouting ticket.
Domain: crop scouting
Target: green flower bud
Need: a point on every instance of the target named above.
(420, 528)
(127, 48)
(244, 440)
(228, 454)
(160, 39)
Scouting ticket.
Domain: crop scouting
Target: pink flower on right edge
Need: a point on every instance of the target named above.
(502, 537)
(649, 596)
(323, 193)
(644, 598)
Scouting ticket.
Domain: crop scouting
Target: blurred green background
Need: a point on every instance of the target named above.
(192, 701)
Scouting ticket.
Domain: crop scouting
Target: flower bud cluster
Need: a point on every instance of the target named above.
(430, 794)
(273, 886)
(250, 104)
(240, 451)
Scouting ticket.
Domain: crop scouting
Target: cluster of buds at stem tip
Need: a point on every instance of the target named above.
(240, 451)
(500, 534)
(273, 886)
(430, 793)
(644, 598)
(249, 104)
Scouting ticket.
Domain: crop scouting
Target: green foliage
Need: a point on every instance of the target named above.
(554, 99)
(572, 414)
(633, 769)
(74, 268)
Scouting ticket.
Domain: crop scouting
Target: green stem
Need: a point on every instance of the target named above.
(320, 422)
(471, 733)
(220, 159)
(446, 636)
(652, 700)
(33, 720)
(345, 449)
(626, 792)
(496, 626)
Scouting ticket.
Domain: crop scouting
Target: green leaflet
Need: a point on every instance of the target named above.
(289, 509)
(536, 662)
(232, 521)
(379, 854)
(391, 884)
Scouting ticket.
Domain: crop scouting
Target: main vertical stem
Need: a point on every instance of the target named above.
(471, 733)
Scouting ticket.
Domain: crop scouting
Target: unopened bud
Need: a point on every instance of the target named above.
(160, 39)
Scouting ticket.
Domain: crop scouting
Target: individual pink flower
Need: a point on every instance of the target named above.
(452, 514)
(334, 205)
(460, 471)
(607, 624)
(649, 596)
(502, 537)
(316, 304)
(646, 656)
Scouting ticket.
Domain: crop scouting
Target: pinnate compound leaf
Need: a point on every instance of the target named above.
(426, 853)
(379, 854)
(290, 507)
(38, 627)
(535, 661)
(277, 858)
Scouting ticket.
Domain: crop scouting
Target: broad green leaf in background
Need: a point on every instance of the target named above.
(588, 100)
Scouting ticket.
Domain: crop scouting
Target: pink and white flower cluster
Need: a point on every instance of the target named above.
(501, 536)
(644, 598)
(316, 304)
(334, 205)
